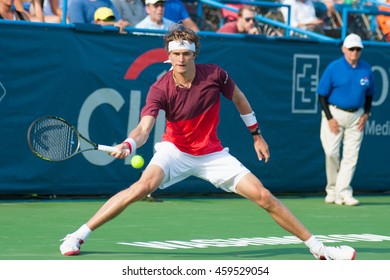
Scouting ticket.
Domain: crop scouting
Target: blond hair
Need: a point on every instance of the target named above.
(178, 32)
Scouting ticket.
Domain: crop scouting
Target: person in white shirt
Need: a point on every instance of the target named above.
(303, 15)
(155, 18)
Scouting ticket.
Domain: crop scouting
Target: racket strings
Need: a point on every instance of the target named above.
(53, 139)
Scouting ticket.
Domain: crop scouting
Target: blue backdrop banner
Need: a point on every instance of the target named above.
(98, 81)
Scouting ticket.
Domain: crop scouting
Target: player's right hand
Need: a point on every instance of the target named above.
(123, 151)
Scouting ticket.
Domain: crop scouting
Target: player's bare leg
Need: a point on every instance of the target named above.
(149, 182)
(251, 188)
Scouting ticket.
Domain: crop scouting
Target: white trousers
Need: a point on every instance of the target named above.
(339, 173)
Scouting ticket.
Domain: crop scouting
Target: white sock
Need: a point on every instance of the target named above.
(83, 232)
(315, 245)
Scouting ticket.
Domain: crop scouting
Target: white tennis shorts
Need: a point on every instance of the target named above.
(221, 169)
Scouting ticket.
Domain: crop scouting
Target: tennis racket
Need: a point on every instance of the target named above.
(54, 139)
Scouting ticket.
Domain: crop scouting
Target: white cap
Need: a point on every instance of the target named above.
(353, 40)
(147, 2)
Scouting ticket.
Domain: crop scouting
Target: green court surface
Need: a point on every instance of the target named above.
(192, 229)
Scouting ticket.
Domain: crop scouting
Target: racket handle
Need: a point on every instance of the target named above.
(108, 149)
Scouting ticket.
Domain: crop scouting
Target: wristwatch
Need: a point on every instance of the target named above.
(256, 132)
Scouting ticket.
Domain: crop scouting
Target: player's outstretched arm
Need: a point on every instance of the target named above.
(137, 137)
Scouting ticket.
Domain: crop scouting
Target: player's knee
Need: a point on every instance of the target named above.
(140, 190)
(266, 199)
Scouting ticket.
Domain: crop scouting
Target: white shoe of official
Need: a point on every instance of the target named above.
(349, 201)
(71, 245)
(336, 253)
(329, 199)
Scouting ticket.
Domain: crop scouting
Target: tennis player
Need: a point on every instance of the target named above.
(190, 96)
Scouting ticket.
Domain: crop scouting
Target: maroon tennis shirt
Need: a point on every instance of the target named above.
(192, 114)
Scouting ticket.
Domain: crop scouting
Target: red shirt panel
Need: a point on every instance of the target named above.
(229, 27)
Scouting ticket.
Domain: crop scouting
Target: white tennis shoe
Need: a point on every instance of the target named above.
(336, 253)
(70, 245)
(349, 201)
(329, 199)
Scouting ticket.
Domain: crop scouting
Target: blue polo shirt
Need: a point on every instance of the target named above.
(347, 87)
(83, 11)
(175, 10)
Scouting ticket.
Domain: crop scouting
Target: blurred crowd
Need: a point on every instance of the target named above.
(318, 16)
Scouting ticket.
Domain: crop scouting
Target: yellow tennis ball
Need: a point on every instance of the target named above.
(137, 161)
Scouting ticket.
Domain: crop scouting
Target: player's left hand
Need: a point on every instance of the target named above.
(261, 148)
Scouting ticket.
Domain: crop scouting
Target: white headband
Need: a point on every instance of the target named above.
(177, 45)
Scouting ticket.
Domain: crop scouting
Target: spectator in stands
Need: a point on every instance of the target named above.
(384, 21)
(52, 10)
(155, 18)
(7, 11)
(330, 5)
(303, 15)
(132, 11)
(34, 9)
(245, 22)
(105, 17)
(334, 8)
(82, 11)
(177, 12)
(229, 15)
